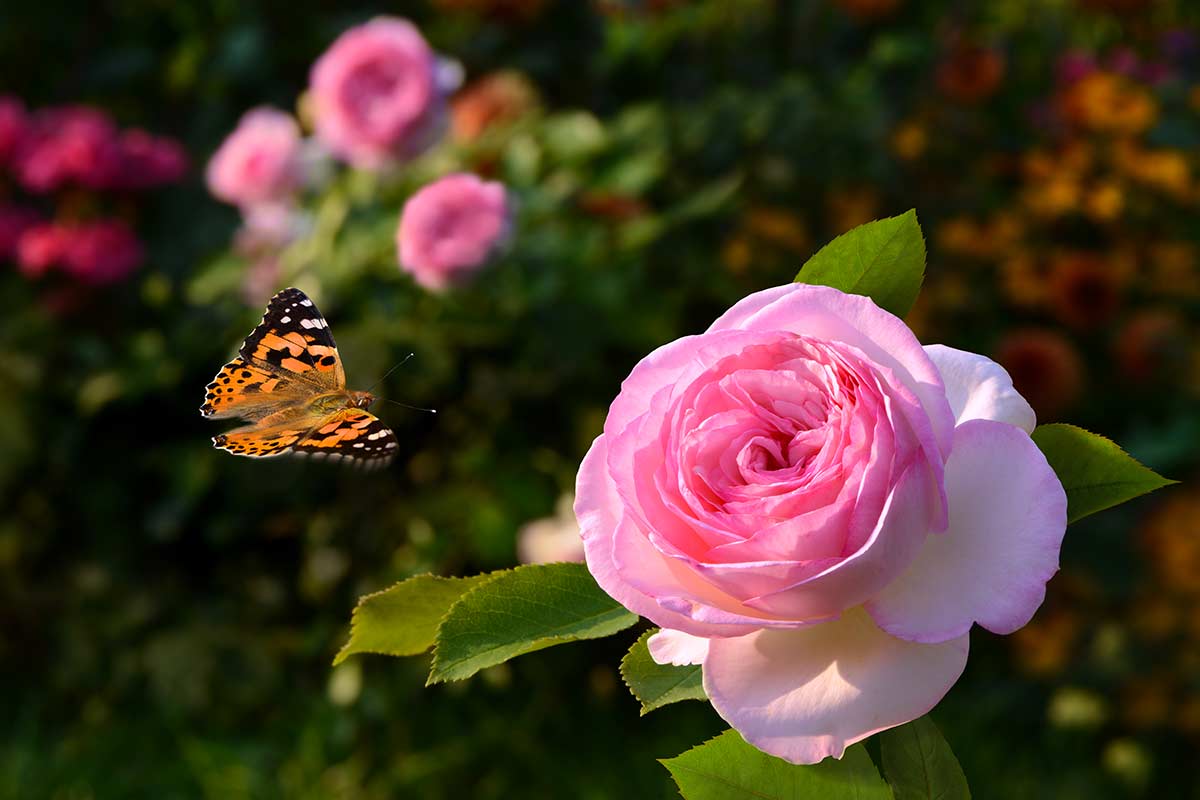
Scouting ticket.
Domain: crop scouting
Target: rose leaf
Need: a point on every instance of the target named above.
(883, 260)
(1095, 472)
(727, 768)
(521, 610)
(403, 619)
(656, 685)
(920, 765)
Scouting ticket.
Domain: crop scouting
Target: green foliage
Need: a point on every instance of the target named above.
(403, 620)
(883, 260)
(656, 685)
(519, 611)
(920, 765)
(1096, 473)
(727, 768)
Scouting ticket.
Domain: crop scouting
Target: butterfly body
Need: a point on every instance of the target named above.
(288, 383)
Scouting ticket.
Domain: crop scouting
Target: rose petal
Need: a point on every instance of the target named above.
(806, 694)
(678, 648)
(979, 388)
(1008, 513)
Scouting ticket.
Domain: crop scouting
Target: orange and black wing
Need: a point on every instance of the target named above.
(350, 435)
(293, 341)
(241, 389)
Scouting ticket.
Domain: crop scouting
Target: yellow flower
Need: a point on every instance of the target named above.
(850, 207)
(1109, 103)
(1105, 201)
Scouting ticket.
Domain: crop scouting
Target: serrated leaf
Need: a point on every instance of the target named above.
(519, 611)
(726, 768)
(1095, 472)
(883, 260)
(920, 765)
(402, 620)
(656, 685)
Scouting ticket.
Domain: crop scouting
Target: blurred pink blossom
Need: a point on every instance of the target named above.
(13, 123)
(376, 94)
(102, 252)
(450, 228)
(557, 538)
(148, 161)
(14, 221)
(68, 145)
(260, 162)
(41, 247)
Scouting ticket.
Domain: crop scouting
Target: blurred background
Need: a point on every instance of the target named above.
(170, 612)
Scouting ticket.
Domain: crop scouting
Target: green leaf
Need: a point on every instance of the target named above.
(884, 260)
(726, 768)
(403, 620)
(920, 765)
(519, 611)
(655, 685)
(1096, 473)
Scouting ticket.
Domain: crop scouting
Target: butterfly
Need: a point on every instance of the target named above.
(288, 383)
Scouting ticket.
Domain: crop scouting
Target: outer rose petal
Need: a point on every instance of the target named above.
(979, 388)
(678, 648)
(1008, 514)
(595, 499)
(806, 694)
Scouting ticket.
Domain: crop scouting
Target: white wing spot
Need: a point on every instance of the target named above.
(285, 319)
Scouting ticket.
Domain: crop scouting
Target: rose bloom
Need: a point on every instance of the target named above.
(375, 94)
(149, 161)
(14, 222)
(260, 162)
(13, 122)
(817, 509)
(40, 248)
(101, 252)
(450, 228)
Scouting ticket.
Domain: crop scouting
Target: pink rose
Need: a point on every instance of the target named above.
(450, 228)
(72, 145)
(260, 162)
(375, 94)
(817, 509)
(39, 248)
(149, 161)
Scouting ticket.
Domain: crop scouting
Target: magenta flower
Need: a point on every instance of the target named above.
(149, 161)
(450, 228)
(13, 124)
(817, 509)
(101, 252)
(375, 94)
(73, 145)
(260, 162)
(40, 248)
(14, 222)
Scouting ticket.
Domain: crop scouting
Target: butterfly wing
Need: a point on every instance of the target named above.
(263, 441)
(350, 434)
(293, 341)
(243, 390)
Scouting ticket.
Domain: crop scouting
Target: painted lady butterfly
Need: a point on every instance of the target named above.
(288, 383)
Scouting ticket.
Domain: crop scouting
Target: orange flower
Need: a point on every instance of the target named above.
(1044, 646)
(1108, 103)
(494, 100)
(1168, 171)
(1045, 368)
(779, 227)
(910, 140)
(1171, 539)
(1023, 279)
(1105, 201)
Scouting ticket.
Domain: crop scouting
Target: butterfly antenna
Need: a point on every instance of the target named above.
(414, 408)
(403, 361)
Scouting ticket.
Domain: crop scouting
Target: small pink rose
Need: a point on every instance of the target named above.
(260, 162)
(450, 228)
(375, 93)
(41, 248)
(817, 509)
